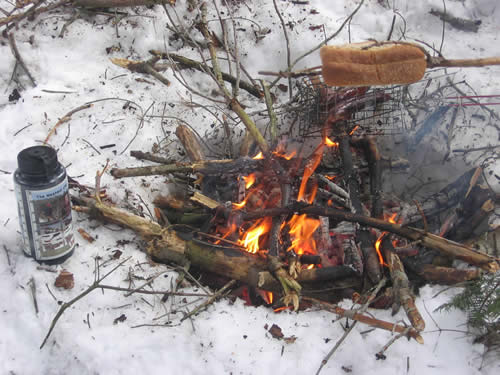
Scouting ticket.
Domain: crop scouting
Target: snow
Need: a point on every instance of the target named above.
(227, 338)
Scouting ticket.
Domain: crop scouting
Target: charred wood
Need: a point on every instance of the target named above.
(371, 262)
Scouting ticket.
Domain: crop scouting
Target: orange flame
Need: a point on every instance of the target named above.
(392, 218)
(249, 180)
(301, 231)
(379, 240)
(285, 156)
(251, 237)
(377, 248)
(239, 206)
(309, 169)
(312, 194)
(331, 143)
(259, 156)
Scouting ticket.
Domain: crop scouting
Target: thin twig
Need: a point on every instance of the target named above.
(288, 58)
(152, 292)
(323, 43)
(64, 119)
(91, 145)
(392, 27)
(392, 340)
(19, 59)
(209, 301)
(273, 121)
(148, 282)
(32, 285)
(7, 254)
(141, 124)
(67, 305)
(50, 292)
(444, 24)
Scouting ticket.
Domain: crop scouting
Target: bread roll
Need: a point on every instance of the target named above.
(367, 64)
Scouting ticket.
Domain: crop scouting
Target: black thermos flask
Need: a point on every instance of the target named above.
(44, 206)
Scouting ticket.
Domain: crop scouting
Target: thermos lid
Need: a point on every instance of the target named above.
(37, 161)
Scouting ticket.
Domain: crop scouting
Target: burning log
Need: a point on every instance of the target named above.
(169, 245)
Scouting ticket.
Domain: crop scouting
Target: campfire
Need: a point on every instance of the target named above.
(294, 230)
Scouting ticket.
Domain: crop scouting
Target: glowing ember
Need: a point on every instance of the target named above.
(251, 237)
(249, 180)
(354, 129)
(331, 143)
(279, 309)
(269, 297)
(285, 156)
(259, 156)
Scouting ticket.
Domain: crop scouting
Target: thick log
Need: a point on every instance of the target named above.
(168, 245)
(230, 262)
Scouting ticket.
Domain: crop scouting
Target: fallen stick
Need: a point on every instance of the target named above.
(64, 119)
(413, 333)
(19, 59)
(210, 167)
(457, 22)
(401, 287)
(446, 275)
(188, 63)
(151, 157)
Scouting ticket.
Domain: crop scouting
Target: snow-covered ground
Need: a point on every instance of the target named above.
(227, 338)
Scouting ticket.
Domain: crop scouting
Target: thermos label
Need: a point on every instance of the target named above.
(49, 213)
